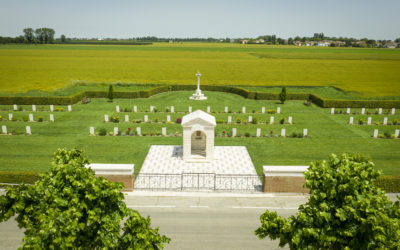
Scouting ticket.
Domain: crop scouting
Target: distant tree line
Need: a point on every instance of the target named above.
(31, 36)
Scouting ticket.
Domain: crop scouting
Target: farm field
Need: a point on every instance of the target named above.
(327, 133)
(363, 72)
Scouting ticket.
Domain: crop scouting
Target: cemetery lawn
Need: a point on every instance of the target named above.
(368, 72)
(327, 133)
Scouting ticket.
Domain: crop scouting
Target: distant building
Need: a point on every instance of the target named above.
(390, 45)
(244, 41)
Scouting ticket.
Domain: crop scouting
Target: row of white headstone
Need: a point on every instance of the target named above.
(278, 109)
(34, 108)
(369, 120)
(363, 111)
(4, 129)
(396, 133)
(250, 119)
(51, 117)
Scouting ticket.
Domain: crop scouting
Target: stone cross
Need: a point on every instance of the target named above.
(135, 108)
(164, 131)
(117, 108)
(31, 117)
(33, 107)
(263, 110)
(138, 131)
(208, 109)
(168, 118)
(229, 119)
(115, 130)
(198, 80)
(271, 120)
(278, 110)
(283, 132)
(51, 108)
(15, 107)
(348, 111)
(250, 118)
(243, 110)
(69, 108)
(233, 132)
(258, 132)
(226, 109)
(380, 111)
(172, 109)
(393, 111)
(28, 130)
(351, 120)
(126, 118)
(4, 129)
(385, 121)
(363, 111)
(396, 133)
(190, 109)
(51, 117)
(106, 118)
(369, 120)
(146, 118)
(375, 133)
(290, 120)
(91, 131)
(10, 117)
(305, 132)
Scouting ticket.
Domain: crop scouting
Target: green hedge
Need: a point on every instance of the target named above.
(15, 177)
(390, 184)
(324, 103)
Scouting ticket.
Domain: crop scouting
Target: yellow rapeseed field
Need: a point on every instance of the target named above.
(372, 72)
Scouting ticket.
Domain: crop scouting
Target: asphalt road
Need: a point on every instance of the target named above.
(198, 220)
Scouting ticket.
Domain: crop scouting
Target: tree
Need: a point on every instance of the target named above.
(63, 39)
(29, 36)
(110, 93)
(69, 208)
(283, 95)
(345, 210)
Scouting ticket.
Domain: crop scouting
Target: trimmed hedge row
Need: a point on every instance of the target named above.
(390, 184)
(324, 103)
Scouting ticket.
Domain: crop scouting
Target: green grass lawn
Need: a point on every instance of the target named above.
(327, 133)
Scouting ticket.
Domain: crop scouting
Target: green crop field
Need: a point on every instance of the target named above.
(366, 72)
(327, 133)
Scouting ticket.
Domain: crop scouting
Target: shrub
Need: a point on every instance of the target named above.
(102, 132)
(254, 121)
(40, 118)
(128, 131)
(238, 120)
(17, 177)
(300, 135)
(155, 119)
(20, 108)
(85, 100)
(1, 118)
(395, 122)
(115, 119)
(167, 110)
(282, 121)
(220, 121)
(25, 118)
(294, 135)
(178, 120)
(110, 93)
(387, 134)
(253, 111)
(271, 111)
(14, 119)
(283, 95)
(247, 134)
(361, 121)
(59, 109)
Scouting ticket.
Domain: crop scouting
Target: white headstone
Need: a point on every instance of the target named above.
(332, 111)
(375, 133)
(190, 109)
(363, 111)
(91, 131)
(106, 118)
(51, 117)
(51, 108)
(126, 118)
(135, 108)
(393, 111)
(151, 108)
(4, 129)
(271, 120)
(10, 117)
(283, 132)
(233, 132)
(348, 111)
(385, 121)
(278, 110)
(305, 132)
(138, 131)
(351, 120)
(115, 130)
(263, 110)
(258, 132)
(117, 108)
(31, 117)
(250, 118)
(168, 118)
(15, 107)
(208, 109)
(229, 119)
(164, 131)
(146, 118)
(290, 120)
(226, 109)
(369, 120)
(172, 109)
(69, 108)
(380, 111)
(243, 110)
(396, 133)
(28, 130)
(34, 108)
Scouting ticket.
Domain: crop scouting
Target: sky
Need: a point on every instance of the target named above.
(374, 19)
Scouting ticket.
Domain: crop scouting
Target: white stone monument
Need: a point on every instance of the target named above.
(305, 132)
(146, 118)
(172, 109)
(271, 120)
(138, 131)
(34, 108)
(385, 121)
(283, 132)
(115, 131)
(393, 111)
(198, 136)
(363, 111)
(69, 108)
(151, 108)
(278, 110)
(369, 120)
(351, 120)
(91, 130)
(10, 116)
(243, 110)
(117, 108)
(190, 109)
(31, 117)
(348, 111)
(250, 119)
(263, 110)
(4, 129)
(135, 108)
(198, 95)
(51, 108)
(51, 117)
(380, 111)
(15, 107)
(229, 119)
(164, 131)
(126, 118)
(28, 130)
(233, 132)
(226, 109)
(396, 133)
(208, 109)
(168, 118)
(375, 133)
(290, 120)
(332, 111)
(106, 118)
(258, 132)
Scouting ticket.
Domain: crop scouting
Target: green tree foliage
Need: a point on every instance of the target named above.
(29, 35)
(110, 93)
(283, 95)
(44, 35)
(345, 210)
(69, 208)
(63, 39)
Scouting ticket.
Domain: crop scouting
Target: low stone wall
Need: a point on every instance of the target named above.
(115, 173)
(284, 179)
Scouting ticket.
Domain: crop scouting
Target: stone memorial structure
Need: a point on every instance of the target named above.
(135, 108)
(226, 109)
(138, 131)
(106, 118)
(31, 117)
(284, 179)
(91, 130)
(69, 108)
(34, 108)
(115, 173)
(380, 111)
(15, 107)
(51, 117)
(258, 132)
(198, 95)
(115, 131)
(117, 108)
(369, 120)
(305, 132)
(263, 110)
(363, 111)
(332, 111)
(51, 108)
(10, 116)
(126, 118)
(290, 120)
(28, 130)
(198, 136)
(278, 110)
(4, 129)
(376, 133)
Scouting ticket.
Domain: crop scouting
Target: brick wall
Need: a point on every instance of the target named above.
(284, 184)
(127, 180)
